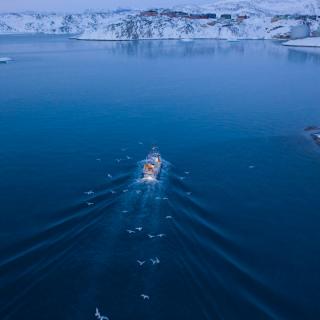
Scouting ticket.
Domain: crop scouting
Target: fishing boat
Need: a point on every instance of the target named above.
(152, 165)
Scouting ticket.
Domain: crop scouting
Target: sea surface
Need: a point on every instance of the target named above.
(232, 225)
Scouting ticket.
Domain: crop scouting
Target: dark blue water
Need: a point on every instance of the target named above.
(240, 180)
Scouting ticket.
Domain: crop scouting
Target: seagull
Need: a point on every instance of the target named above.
(118, 160)
(158, 198)
(139, 228)
(168, 217)
(165, 198)
(130, 231)
(90, 203)
(155, 261)
(151, 236)
(140, 262)
(113, 192)
(128, 157)
(89, 192)
(251, 167)
(125, 190)
(109, 175)
(144, 296)
(187, 172)
(160, 235)
(124, 211)
(182, 178)
(140, 142)
(99, 316)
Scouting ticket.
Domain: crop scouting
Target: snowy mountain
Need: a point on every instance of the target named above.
(223, 19)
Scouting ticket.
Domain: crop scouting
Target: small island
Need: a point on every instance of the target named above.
(314, 132)
(5, 59)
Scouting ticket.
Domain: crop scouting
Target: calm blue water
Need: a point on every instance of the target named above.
(243, 241)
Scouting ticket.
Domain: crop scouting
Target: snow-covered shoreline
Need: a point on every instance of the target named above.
(306, 42)
(224, 19)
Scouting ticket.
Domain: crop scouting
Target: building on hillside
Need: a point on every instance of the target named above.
(173, 14)
(225, 16)
(149, 13)
(203, 16)
(240, 18)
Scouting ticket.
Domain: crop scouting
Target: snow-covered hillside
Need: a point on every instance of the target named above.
(223, 19)
(265, 7)
(53, 23)
(137, 27)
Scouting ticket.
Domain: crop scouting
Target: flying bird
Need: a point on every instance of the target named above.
(155, 261)
(90, 203)
(130, 231)
(140, 262)
(168, 217)
(89, 192)
(125, 190)
(113, 192)
(99, 316)
(109, 175)
(144, 296)
(139, 228)
(151, 236)
(124, 211)
(160, 235)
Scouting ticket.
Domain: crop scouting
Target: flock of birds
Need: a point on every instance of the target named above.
(154, 260)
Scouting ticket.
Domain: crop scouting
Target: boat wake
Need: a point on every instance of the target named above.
(143, 238)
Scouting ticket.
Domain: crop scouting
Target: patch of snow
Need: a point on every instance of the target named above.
(306, 42)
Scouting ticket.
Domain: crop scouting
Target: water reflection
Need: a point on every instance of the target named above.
(169, 48)
(180, 49)
(154, 49)
(303, 55)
